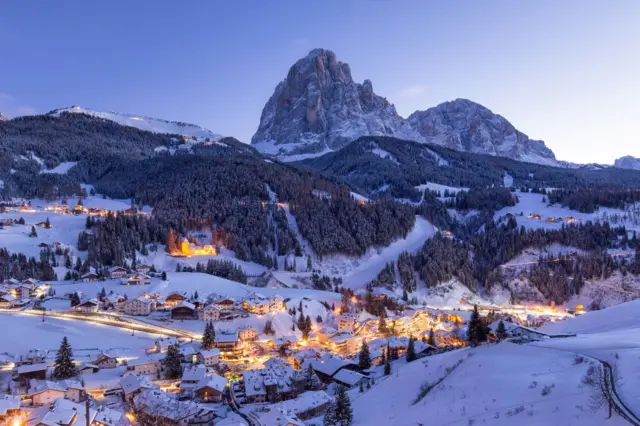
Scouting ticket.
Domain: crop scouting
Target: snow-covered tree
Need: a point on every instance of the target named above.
(172, 363)
(501, 331)
(411, 350)
(364, 357)
(63, 366)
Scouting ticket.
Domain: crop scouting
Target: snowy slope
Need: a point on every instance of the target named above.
(150, 124)
(497, 385)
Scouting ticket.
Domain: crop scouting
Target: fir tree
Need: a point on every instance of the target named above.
(208, 337)
(344, 413)
(311, 379)
(87, 223)
(172, 364)
(411, 350)
(164, 276)
(63, 367)
(432, 338)
(75, 299)
(364, 357)
(501, 331)
(387, 362)
(47, 224)
(361, 386)
(318, 319)
(476, 330)
(33, 233)
(268, 328)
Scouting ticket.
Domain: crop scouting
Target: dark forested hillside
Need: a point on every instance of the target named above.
(384, 166)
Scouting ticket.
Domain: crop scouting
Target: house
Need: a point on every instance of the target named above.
(89, 276)
(109, 417)
(90, 305)
(117, 272)
(139, 306)
(211, 388)
(276, 304)
(66, 413)
(327, 366)
(30, 282)
(209, 357)
(132, 385)
(7, 301)
(347, 321)
(280, 417)
(515, 330)
(9, 406)
(105, 361)
(155, 407)
(256, 306)
(137, 279)
(44, 392)
(184, 311)
(174, 299)
(26, 372)
(306, 406)
(33, 356)
(247, 334)
(211, 312)
(226, 303)
(350, 379)
(151, 364)
(162, 345)
(87, 368)
(143, 269)
(226, 340)
(191, 376)
(272, 384)
(325, 333)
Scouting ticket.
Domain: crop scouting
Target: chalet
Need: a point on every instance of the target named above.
(184, 311)
(117, 272)
(174, 298)
(323, 334)
(226, 340)
(145, 365)
(89, 276)
(155, 407)
(9, 407)
(306, 406)
(109, 417)
(350, 379)
(280, 417)
(106, 361)
(43, 225)
(45, 392)
(347, 321)
(276, 304)
(26, 372)
(33, 356)
(132, 385)
(211, 312)
(90, 305)
(136, 279)
(247, 334)
(256, 305)
(192, 376)
(515, 330)
(7, 301)
(327, 366)
(209, 357)
(86, 368)
(31, 282)
(162, 345)
(211, 388)
(272, 384)
(67, 413)
(6, 222)
(143, 269)
(345, 342)
(139, 306)
(226, 303)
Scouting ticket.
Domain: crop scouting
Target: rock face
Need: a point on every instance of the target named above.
(464, 125)
(627, 162)
(319, 107)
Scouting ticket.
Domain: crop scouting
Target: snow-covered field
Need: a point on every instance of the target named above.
(497, 385)
(24, 332)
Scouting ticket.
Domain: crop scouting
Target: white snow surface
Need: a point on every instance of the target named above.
(150, 124)
(61, 168)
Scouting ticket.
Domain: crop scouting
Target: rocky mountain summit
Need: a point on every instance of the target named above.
(318, 108)
(464, 125)
(627, 162)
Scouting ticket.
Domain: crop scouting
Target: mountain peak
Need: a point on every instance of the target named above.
(319, 108)
(627, 162)
(3, 117)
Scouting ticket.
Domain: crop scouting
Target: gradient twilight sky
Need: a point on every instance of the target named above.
(564, 71)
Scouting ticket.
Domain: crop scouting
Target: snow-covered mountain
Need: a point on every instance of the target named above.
(150, 124)
(318, 108)
(3, 117)
(464, 125)
(628, 162)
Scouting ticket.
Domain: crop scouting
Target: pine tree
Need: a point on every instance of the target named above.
(172, 364)
(33, 233)
(364, 357)
(63, 366)
(361, 386)
(318, 319)
(501, 331)
(330, 418)
(307, 327)
(476, 330)
(47, 224)
(344, 413)
(411, 350)
(387, 362)
(311, 379)
(164, 276)
(75, 299)
(208, 337)
(268, 328)
(432, 338)
(87, 223)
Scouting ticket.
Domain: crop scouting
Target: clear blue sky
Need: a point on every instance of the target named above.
(566, 72)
